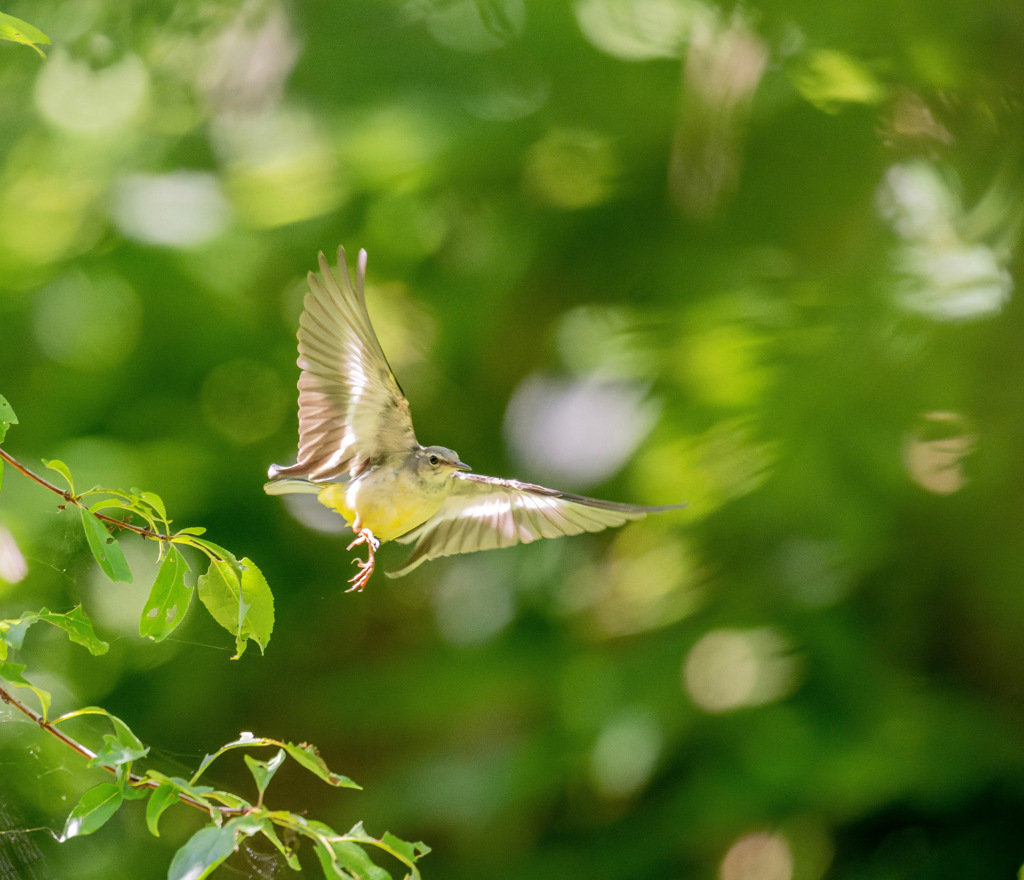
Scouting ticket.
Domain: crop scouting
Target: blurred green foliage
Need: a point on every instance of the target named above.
(766, 259)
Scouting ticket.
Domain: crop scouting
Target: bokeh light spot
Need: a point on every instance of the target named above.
(626, 753)
(13, 567)
(637, 30)
(180, 209)
(728, 669)
(87, 322)
(571, 168)
(243, 401)
(471, 26)
(473, 601)
(580, 432)
(73, 97)
(758, 856)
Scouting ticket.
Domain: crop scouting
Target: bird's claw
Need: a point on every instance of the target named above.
(362, 577)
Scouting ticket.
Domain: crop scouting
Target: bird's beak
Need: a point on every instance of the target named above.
(461, 466)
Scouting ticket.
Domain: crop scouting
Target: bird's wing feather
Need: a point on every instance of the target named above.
(485, 513)
(351, 408)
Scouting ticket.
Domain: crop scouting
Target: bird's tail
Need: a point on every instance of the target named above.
(290, 485)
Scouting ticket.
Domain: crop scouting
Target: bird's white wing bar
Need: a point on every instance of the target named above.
(486, 513)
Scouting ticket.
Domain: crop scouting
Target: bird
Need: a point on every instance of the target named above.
(359, 455)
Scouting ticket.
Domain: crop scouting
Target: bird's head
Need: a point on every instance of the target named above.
(437, 463)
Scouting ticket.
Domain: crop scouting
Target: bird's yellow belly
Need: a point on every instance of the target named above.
(386, 505)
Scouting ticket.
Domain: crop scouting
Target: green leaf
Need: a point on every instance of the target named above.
(309, 758)
(263, 771)
(105, 549)
(12, 632)
(17, 31)
(154, 501)
(7, 418)
(192, 530)
(215, 549)
(122, 747)
(163, 796)
(12, 674)
(168, 600)
(55, 464)
(357, 862)
(93, 811)
(329, 861)
(244, 605)
(289, 855)
(408, 853)
(205, 850)
(304, 754)
(78, 627)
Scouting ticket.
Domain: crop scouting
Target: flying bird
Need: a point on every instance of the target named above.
(359, 455)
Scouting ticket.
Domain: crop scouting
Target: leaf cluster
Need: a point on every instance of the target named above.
(236, 594)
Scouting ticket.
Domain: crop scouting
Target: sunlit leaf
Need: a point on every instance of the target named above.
(154, 501)
(192, 530)
(105, 549)
(93, 810)
(17, 31)
(55, 464)
(168, 600)
(78, 627)
(244, 605)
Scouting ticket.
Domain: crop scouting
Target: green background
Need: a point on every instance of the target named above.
(765, 258)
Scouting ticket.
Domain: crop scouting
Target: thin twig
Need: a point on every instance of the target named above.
(134, 778)
(71, 498)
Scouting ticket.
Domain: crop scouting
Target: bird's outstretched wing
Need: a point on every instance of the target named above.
(485, 513)
(351, 408)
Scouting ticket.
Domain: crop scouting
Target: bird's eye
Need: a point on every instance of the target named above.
(434, 459)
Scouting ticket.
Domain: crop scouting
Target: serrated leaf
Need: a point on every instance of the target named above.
(55, 464)
(203, 852)
(12, 674)
(168, 600)
(163, 796)
(263, 771)
(309, 757)
(78, 626)
(243, 605)
(105, 549)
(93, 810)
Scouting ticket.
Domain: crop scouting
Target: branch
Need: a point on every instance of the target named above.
(136, 780)
(76, 500)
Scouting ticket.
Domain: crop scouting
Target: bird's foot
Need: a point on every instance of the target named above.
(362, 577)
